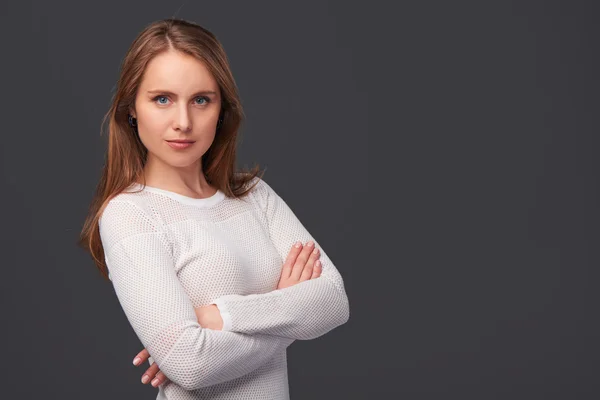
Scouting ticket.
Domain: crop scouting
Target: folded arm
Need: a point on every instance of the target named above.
(304, 311)
(141, 269)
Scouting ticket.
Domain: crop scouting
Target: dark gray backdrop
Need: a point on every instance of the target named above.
(442, 152)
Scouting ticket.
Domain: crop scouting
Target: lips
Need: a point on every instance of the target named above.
(179, 145)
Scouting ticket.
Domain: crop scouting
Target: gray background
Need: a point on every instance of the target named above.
(443, 153)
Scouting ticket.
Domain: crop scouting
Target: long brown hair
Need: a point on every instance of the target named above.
(126, 155)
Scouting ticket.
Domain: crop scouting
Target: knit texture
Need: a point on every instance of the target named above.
(167, 253)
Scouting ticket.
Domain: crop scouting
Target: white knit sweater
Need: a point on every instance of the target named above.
(167, 253)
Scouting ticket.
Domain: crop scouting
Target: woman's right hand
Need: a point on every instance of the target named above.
(302, 264)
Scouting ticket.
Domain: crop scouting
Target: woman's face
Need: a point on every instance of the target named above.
(178, 99)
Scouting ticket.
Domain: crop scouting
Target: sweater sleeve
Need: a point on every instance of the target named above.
(140, 264)
(304, 311)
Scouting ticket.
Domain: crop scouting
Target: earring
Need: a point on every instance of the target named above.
(132, 121)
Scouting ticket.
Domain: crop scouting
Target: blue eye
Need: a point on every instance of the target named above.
(206, 100)
(159, 97)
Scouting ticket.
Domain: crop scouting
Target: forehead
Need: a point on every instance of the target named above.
(177, 72)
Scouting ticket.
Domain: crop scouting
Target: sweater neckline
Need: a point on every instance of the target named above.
(203, 202)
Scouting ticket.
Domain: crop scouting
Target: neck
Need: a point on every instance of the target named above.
(188, 180)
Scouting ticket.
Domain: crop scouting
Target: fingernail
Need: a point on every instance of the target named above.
(155, 382)
(298, 244)
(145, 379)
(136, 361)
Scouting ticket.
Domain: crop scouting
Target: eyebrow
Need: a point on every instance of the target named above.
(156, 91)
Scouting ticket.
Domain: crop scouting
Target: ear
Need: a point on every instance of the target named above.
(132, 113)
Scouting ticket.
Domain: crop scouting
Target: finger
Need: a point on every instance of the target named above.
(159, 379)
(308, 268)
(317, 269)
(150, 373)
(141, 357)
(301, 260)
(290, 260)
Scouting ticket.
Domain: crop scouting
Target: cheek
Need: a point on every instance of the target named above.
(205, 121)
(155, 122)
(153, 129)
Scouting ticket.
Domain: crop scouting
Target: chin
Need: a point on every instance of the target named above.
(182, 162)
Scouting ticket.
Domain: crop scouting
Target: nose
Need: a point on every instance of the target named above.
(183, 121)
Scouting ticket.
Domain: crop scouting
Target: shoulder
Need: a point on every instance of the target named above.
(260, 186)
(133, 204)
(261, 191)
(265, 197)
(127, 214)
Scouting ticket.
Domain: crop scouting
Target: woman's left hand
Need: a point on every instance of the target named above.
(208, 317)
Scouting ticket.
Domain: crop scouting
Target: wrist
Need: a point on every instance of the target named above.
(209, 317)
(217, 320)
(224, 317)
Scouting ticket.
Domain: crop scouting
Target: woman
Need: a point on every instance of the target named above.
(195, 250)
